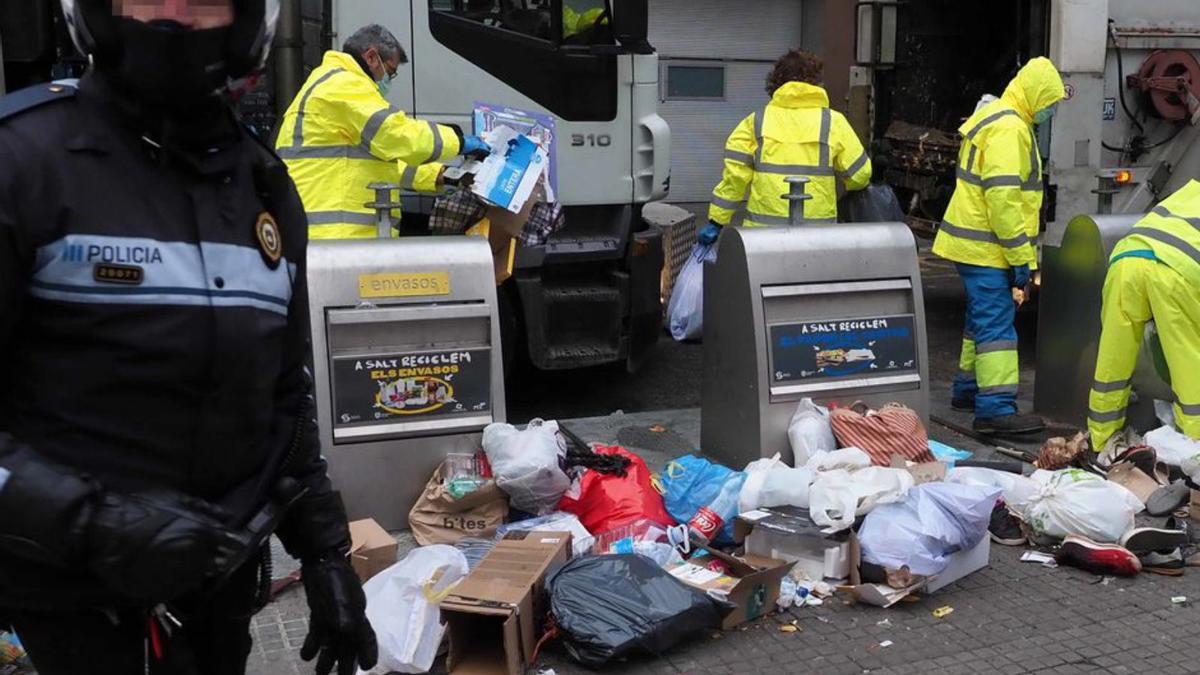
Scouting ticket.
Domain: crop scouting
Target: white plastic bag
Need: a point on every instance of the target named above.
(1177, 449)
(526, 464)
(770, 482)
(1073, 501)
(686, 309)
(846, 458)
(809, 432)
(932, 522)
(402, 605)
(1016, 489)
(837, 496)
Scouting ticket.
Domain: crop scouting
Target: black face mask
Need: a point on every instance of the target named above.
(165, 64)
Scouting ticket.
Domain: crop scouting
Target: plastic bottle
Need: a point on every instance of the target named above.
(709, 520)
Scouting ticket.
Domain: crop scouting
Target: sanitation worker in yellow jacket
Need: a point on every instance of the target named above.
(341, 134)
(988, 230)
(796, 134)
(1153, 275)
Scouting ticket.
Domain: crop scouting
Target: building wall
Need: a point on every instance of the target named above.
(745, 37)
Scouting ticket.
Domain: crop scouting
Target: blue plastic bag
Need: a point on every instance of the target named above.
(946, 454)
(691, 482)
(686, 309)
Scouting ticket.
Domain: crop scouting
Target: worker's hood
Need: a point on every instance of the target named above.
(800, 95)
(1036, 87)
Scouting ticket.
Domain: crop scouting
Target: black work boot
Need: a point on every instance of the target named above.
(963, 404)
(1015, 423)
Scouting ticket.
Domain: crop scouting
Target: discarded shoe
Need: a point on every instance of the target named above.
(1167, 498)
(1141, 540)
(1141, 456)
(1015, 423)
(1004, 527)
(1167, 564)
(963, 404)
(1104, 559)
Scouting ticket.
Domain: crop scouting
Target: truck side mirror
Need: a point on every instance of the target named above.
(631, 25)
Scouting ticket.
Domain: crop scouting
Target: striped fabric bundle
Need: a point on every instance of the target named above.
(893, 430)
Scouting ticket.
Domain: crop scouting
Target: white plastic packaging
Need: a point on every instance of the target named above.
(837, 496)
(770, 482)
(526, 465)
(1177, 449)
(809, 432)
(402, 605)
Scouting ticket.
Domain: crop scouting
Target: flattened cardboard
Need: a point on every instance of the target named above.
(926, 472)
(961, 564)
(1133, 479)
(372, 549)
(752, 584)
(495, 612)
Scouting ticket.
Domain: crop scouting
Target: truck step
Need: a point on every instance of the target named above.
(579, 354)
(590, 293)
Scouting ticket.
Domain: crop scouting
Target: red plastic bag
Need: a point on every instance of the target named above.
(607, 501)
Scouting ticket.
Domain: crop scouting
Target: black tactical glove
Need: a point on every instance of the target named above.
(155, 546)
(337, 626)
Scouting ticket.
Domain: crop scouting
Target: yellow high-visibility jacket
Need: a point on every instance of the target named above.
(1154, 274)
(796, 134)
(993, 215)
(340, 134)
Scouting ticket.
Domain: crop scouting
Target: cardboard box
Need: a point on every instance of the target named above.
(493, 617)
(788, 533)
(961, 564)
(926, 472)
(508, 176)
(752, 583)
(372, 549)
(1133, 479)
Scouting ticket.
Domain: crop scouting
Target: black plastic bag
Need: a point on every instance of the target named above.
(613, 606)
(877, 203)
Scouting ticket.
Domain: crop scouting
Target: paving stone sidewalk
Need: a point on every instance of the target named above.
(1012, 617)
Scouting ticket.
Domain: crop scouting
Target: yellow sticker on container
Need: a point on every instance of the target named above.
(402, 285)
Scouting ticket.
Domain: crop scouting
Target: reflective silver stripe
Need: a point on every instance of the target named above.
(1107, 416)
(794, 169)
(374, 124)
(767, 220)
(340, 217)
(823, 139)
(408, 177)
(1163, 211)
(967, 177)
(999, 389)
(437, 142)
(743, 157)
(971, 158)
(1105, 387)
(725, 203)
(1168, 239)
(988, 237)
(856, 166)
(758, 134)
(988, 120)
(995, 346)
(1001, 181)
(325, 152)
(1188, 409)
(298, 131)
(1035, 174)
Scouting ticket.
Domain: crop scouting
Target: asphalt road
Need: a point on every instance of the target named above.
(671, 378)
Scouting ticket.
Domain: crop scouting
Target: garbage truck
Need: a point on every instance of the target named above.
(1127, 134)
(590, 294)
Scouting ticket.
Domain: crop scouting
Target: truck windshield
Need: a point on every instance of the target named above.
(583, 21)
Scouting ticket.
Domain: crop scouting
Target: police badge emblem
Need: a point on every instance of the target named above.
(270, 242)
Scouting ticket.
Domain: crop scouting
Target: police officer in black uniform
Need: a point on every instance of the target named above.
(156, 418)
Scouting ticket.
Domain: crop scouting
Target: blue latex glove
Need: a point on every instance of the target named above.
(709, 233)
(474, 146)
(1020, 276)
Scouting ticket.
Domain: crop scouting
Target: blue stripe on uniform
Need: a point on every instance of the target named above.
(174, 273)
